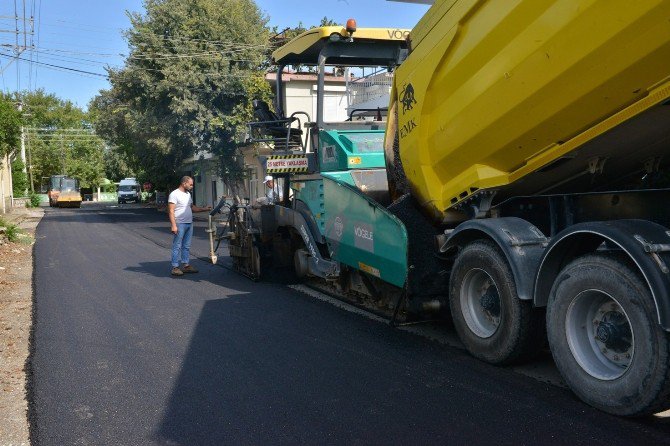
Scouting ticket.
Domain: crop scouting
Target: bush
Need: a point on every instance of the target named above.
(147, 196)
(12, 232)
(19, 178)
(34, 200)
(108, 188)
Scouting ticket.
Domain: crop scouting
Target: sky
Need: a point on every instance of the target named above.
(73, 40)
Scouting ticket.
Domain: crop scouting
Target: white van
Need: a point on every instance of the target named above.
(129, 190)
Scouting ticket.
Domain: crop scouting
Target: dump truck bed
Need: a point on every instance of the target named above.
(495, 91)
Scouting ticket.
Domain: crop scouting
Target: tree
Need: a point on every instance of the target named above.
(86, 162)
(19, 178)
(186, 86)
(10, 126)
(118, 166)
(60, 140)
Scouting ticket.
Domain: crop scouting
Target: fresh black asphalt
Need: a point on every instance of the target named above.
(124, 354)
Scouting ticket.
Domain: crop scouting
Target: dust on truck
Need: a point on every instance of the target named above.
(523, 188)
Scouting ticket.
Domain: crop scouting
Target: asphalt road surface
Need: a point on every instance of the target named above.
(125, 354)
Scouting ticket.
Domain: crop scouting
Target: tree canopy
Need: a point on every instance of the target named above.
(10, 126)
(186, 86)
(59, 139)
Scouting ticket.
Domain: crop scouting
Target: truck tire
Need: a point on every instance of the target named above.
(490, 319)
(606, 341)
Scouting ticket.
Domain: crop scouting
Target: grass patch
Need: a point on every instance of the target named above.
(13, 233)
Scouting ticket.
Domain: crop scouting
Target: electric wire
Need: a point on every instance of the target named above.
(144, 47)
(60, 67)
(90, 62)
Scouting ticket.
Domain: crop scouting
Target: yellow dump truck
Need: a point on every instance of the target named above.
(518, 183)
(536, 135)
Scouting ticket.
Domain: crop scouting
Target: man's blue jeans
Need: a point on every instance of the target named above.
(181, 243)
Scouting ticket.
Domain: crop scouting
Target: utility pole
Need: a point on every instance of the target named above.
(23, 150)
(62, 157)
(2, 183)
(19, 107)
(22, 26)
(11, 183)
(30, 166)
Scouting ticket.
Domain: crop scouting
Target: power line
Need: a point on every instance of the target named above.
(161, 36)
(59, 129)
(72, 59)
(141, 55)
(164, 71)
(60, 67)
(63, 134)
(67, 60)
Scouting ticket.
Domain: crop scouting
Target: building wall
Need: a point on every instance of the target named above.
(208, 188)
(5, 185)
(300, 95)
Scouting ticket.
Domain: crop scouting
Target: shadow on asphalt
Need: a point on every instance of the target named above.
(289, 376)
(208, 402)
(250, 377)
(163, 268)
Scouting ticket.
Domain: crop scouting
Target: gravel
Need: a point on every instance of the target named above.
(16, 269)
(427, 272)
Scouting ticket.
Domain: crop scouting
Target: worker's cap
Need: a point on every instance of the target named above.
(268, 178)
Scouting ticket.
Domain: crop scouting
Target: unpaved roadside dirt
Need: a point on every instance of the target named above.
(16, 270)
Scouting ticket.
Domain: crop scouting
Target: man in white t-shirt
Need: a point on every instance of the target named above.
(180, 211)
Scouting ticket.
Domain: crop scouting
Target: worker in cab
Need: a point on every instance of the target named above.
(273, 194)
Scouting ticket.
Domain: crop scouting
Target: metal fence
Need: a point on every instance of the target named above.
(368, 88)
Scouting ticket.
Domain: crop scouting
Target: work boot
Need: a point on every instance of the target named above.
(176, 272)
(189, 269)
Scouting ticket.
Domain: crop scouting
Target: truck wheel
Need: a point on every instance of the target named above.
(606, 341)
(490, 319)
